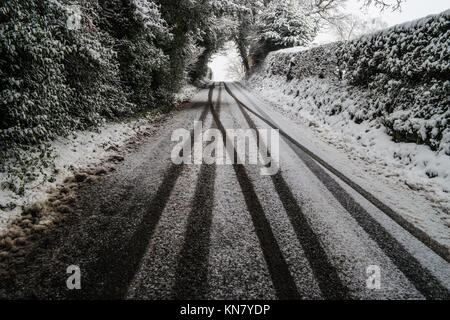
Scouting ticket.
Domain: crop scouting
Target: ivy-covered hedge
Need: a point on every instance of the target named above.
(405, 69)
(318, 61)
(69, 65)
(52, 79)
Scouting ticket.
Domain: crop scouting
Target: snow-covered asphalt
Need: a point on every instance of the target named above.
(157, 230)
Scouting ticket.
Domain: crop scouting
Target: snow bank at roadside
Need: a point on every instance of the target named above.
(81, 150)
(315, 102)
(405, 69)
(382, 97)
(186, 93)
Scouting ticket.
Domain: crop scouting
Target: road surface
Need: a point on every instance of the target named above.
(153, 229)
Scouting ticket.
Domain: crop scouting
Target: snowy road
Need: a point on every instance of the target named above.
(156, 230)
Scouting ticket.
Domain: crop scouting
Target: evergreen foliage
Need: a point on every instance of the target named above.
(69, 65)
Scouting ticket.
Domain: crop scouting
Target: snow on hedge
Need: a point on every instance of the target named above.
(385, 96)
(61, 158)
(406, 69)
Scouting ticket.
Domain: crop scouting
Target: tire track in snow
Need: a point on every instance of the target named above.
(324, 272)
(282, 279)
(405, 224)
(419, 276)
(114, 269)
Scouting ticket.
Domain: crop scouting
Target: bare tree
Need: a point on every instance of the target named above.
(352, 27)
(321, 14)
(330, 12)
(347, 26)
(235, 69)
(394, 5)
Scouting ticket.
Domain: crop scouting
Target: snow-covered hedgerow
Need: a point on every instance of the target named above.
(404, 69)
(300, 63)
(68, 65)
(53, 79)
(402, 128)
(408, 68)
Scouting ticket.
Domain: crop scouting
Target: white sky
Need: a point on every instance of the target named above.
(411, 10)
(220, 63)
(218, 66)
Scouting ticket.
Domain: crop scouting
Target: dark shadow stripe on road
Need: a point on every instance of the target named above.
(421, 235)
(123, 265)
(115, 267)
(192, 267)
(281, 277)
(325, 273)
(419, 276)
